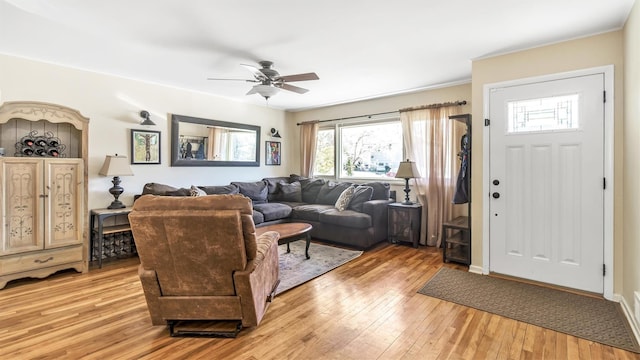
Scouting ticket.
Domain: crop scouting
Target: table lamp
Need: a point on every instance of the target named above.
(116, 166)
(407, 170)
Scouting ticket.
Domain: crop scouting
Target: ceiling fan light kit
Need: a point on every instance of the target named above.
(266, 91)
(270, 82)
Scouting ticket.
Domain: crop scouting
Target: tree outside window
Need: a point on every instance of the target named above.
(366, 151)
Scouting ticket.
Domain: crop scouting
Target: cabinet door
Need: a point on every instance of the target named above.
(21, 205)
(63, 223)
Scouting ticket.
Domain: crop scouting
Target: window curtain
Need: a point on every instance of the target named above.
(308, 141)
(432, 140)
(217, 144)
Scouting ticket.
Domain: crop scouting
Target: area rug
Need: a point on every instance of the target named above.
(295, 269)
(582, 316)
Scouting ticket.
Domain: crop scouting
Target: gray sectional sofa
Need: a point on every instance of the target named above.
(361, 224)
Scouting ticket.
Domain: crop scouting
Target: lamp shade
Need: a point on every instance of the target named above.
(116, 165)
(407, 170)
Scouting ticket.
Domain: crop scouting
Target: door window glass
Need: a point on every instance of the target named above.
(543, 114)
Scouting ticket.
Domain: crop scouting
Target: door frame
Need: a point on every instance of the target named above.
(608, 72)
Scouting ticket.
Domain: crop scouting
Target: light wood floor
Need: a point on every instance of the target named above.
(367, 309)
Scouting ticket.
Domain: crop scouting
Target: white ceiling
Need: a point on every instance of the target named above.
(359, 48)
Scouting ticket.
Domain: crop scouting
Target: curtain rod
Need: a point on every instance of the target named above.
(435, 106)
(431, 106)
(346, 118)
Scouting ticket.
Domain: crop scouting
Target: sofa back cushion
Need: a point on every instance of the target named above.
(290, 192)
(310, 189)
(361, 195)
(256, 191)
(157, 189)
(273, 187)
(330, 192)
(220, 190)
(381, 190)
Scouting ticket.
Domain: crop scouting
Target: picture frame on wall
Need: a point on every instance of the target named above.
(272, 153)
(145, 147)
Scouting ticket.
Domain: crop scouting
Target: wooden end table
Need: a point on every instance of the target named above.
(290, 232)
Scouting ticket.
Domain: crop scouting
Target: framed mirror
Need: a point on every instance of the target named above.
(206, 142)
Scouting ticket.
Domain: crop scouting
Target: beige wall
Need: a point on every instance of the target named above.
(631, 163)
(600, 50)
(113, 105)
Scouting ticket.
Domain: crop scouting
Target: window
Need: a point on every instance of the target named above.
(544, 114)
(325, 153)
(362, 150)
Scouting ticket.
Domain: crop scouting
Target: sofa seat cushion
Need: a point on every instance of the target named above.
(273, 211)
(346, 218)
(258, 218)
(310, 212)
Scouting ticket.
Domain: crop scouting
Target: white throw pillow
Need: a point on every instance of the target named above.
(343, 200)
(196, 191)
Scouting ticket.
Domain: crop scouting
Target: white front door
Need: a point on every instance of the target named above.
(546, 181)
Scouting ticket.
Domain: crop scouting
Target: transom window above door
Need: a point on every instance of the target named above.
(544, 114)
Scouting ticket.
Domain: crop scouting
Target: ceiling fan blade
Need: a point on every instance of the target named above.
(299, 77)
(246, 80)
(256, 72)
(295, 89)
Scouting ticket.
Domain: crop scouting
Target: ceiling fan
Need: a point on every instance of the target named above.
(269, 81)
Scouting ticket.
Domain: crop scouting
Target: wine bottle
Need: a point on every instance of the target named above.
(27, 151)
(53, 152)
(41, 151)
(40, 141)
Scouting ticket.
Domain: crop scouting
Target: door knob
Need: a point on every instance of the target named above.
(495, 195)
(496, 182)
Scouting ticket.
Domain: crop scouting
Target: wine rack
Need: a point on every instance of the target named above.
(34, 145)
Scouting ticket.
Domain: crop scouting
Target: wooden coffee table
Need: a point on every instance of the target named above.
(290, 232)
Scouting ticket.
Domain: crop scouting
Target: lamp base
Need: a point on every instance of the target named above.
(407, 191)
(116, 191)
(116, 204)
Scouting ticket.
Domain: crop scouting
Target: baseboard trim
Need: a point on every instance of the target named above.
(626, 309)
(476, 269)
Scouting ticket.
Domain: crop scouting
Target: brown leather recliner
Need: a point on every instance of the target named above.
(200, 259)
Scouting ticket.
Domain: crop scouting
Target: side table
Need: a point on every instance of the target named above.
(457, 248)
(404, 223)
(97, 218)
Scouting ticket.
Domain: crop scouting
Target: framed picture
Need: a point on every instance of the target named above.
(272, 153)
(145, 147)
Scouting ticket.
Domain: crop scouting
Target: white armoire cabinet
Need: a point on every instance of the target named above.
(43, 199)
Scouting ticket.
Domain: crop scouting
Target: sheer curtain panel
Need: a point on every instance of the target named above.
(433, 141)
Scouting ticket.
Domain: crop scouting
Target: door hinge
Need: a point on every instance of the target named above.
(604, 183)
(604, 269)
(604, 96)
(487, 122)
